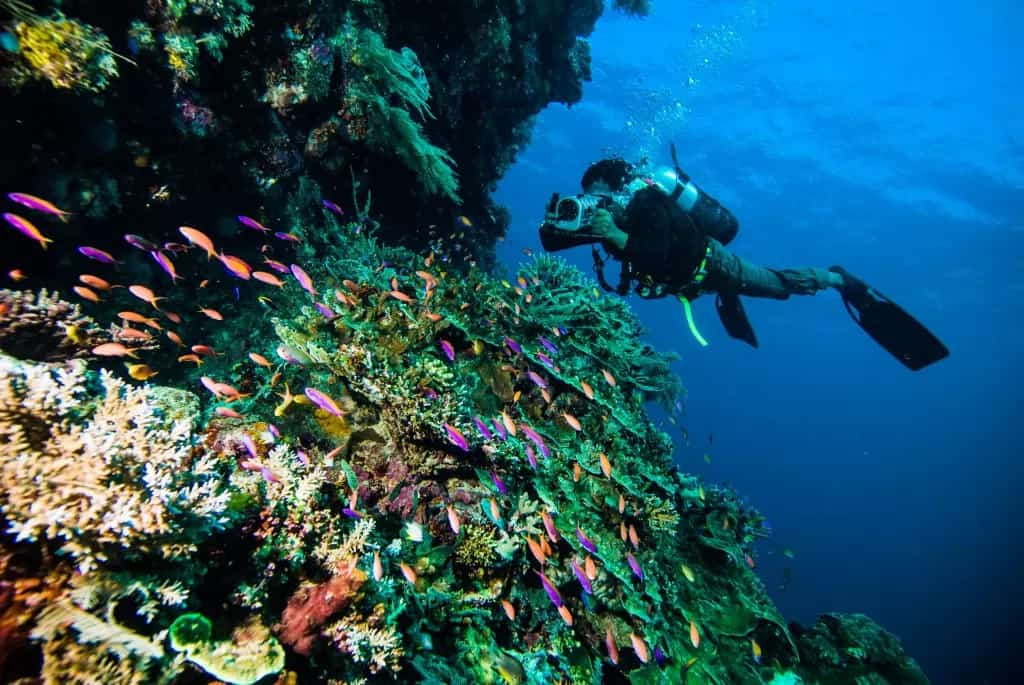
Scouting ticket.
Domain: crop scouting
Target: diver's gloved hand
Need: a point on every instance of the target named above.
(612, 237)
(602, 225)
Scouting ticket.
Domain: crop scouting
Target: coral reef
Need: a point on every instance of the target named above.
(466, 489)
(40, 326)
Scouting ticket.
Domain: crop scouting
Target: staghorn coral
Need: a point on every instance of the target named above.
(40, 326)
(101, 477)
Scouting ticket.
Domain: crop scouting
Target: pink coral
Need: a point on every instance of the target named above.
(312, 606)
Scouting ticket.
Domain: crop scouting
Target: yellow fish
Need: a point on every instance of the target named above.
(140, 372)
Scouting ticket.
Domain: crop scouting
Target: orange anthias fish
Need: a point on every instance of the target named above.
(573, 422)
(95, 282)
(587, 390)
(613, 649)
(135, 317)
(236, 266)
(509, 609)
(86, 293)
(268, 278)
(212, 313)
(145, 294)
(401, 297)
(694, 635)
(113, 350)
(133, 334)
(640, 647)
(260, 359)
(608, 376)
(408, 572)
(606, 465)
(199, 239)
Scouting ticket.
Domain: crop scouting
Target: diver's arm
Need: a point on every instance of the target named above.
(730, 273)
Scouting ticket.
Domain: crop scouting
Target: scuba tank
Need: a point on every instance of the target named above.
(707, 213)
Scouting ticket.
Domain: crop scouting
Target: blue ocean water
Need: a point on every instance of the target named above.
(885, 137)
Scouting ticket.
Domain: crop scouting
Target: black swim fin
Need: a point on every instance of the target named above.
(734, 318)
(903, 336)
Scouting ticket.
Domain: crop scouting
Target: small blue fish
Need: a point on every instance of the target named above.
(513, 345)
(659, 656)
(548, 345)
(351, 513)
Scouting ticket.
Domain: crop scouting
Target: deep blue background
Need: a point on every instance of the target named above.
(885, 136)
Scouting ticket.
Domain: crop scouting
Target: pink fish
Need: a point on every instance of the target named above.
(552, 591)
(98, 255)
(303, 278)
(275, 265)
(585, 541)
(324, 402)
(498, 483)
(449, 351)
(534, 436)
(324, 310)
(288, 237)
(582, 577)
(537, 380)
(140, 243)
(482, 427)
(252, 223)
(166, 264)
(39, 205)
(635, 565)
(28, 229)
(456, 437)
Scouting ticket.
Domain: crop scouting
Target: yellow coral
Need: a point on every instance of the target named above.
(476, 549)
(66, 53)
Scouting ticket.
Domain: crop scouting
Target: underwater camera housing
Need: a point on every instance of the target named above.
(567, 220)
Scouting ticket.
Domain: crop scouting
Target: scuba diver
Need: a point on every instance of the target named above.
(670, 238)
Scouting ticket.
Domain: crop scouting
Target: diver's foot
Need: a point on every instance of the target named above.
(846, 283)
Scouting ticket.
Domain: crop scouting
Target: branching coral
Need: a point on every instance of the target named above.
(102, 477)
(40, 326)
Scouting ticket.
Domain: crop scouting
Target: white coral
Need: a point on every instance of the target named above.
(100, 472)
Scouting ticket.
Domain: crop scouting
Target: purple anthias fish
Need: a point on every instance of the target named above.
(537, 380)
(582, 577)
(499, 428)
(545, 360)
(552, 591)
(498, 484)
(252, 223)
(585, 541)
(448, 349)
(38, 204)
(635, 565)
(537, 440)
(287, 237)
(351, 513)
(166, 264)
(273, 430)
(325, 310)
(250, 445)
(268, 475)
(303, 278)
(97, 254)
(137, 241)
(457, 438)
(659, 656)
(302, 457)
(548, 345)
(549, 526)
(481, 426)
(514, 346)
(323, 401)
(531, 457)
(333, 207)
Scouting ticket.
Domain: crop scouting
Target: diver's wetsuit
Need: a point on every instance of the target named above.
(666, 246)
